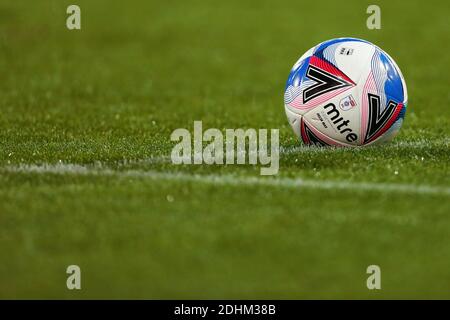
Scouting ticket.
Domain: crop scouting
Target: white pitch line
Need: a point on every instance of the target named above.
(229, 179)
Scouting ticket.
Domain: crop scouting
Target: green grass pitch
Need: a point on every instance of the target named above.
(109, 96)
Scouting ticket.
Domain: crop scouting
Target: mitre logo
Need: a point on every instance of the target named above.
(341, 125)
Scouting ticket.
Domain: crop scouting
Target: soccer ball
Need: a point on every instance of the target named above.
(345, 92)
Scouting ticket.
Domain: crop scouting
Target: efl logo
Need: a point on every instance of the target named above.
(347, 103)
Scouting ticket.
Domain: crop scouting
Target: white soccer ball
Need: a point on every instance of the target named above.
(345, 92)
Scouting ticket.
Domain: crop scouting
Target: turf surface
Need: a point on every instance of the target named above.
(109, 96)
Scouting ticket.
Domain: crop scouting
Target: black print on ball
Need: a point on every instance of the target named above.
(378, 118)
(325, 82)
